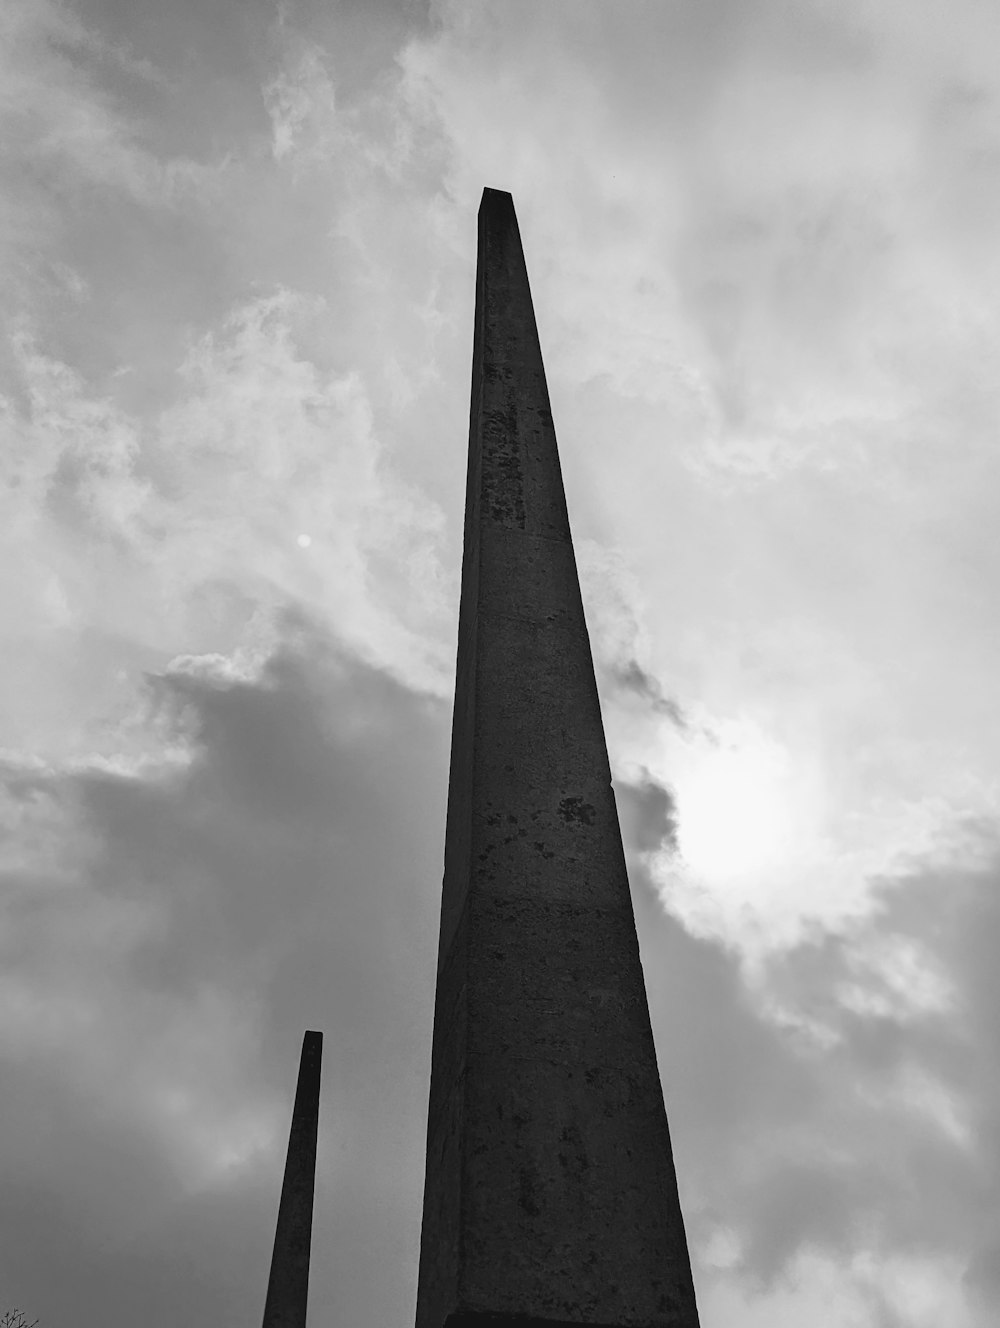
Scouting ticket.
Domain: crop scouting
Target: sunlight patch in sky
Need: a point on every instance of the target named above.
(739, 806)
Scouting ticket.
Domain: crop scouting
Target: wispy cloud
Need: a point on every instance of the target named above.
(262, 483)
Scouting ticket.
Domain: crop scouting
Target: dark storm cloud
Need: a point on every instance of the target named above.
(97, 1228)
(841, 1100)
(648, 815)
(199, 920)
(631, 677)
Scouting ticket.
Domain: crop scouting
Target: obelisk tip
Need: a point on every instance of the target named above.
(495, 200)
(312, 1045)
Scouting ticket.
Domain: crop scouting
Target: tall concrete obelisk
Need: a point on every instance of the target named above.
(550, 1195)
(288, 1284)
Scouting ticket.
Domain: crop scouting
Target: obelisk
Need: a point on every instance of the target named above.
(550, 1195)
(288, 1284)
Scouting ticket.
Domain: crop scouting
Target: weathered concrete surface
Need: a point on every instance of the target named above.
(288, 1284)
(550, 1195)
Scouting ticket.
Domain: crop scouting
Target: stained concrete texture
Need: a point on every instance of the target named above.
(550, 1196)
(288, 1284)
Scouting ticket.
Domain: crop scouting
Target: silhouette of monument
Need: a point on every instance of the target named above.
(550, 1196)
(288, 1284)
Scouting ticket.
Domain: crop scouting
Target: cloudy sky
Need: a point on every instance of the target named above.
(237, 247)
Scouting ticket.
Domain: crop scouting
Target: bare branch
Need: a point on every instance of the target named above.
(15, 1318)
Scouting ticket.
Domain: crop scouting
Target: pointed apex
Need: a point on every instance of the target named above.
(496, 201)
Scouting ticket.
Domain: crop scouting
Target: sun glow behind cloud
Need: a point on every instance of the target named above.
(740, 808)
(753, 825)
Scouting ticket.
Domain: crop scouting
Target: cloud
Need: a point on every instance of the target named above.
(616, 613)
(632, 677)
(648, 815)
(169, 931)
(847, 1093)
(74, 111)
(194, 513)
(298, 100)
(266, 435)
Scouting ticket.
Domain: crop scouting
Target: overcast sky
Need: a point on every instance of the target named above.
(237, 251)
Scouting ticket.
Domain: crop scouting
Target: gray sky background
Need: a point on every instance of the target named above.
(237, 248)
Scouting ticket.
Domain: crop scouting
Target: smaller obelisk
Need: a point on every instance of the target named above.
(288, 1284)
